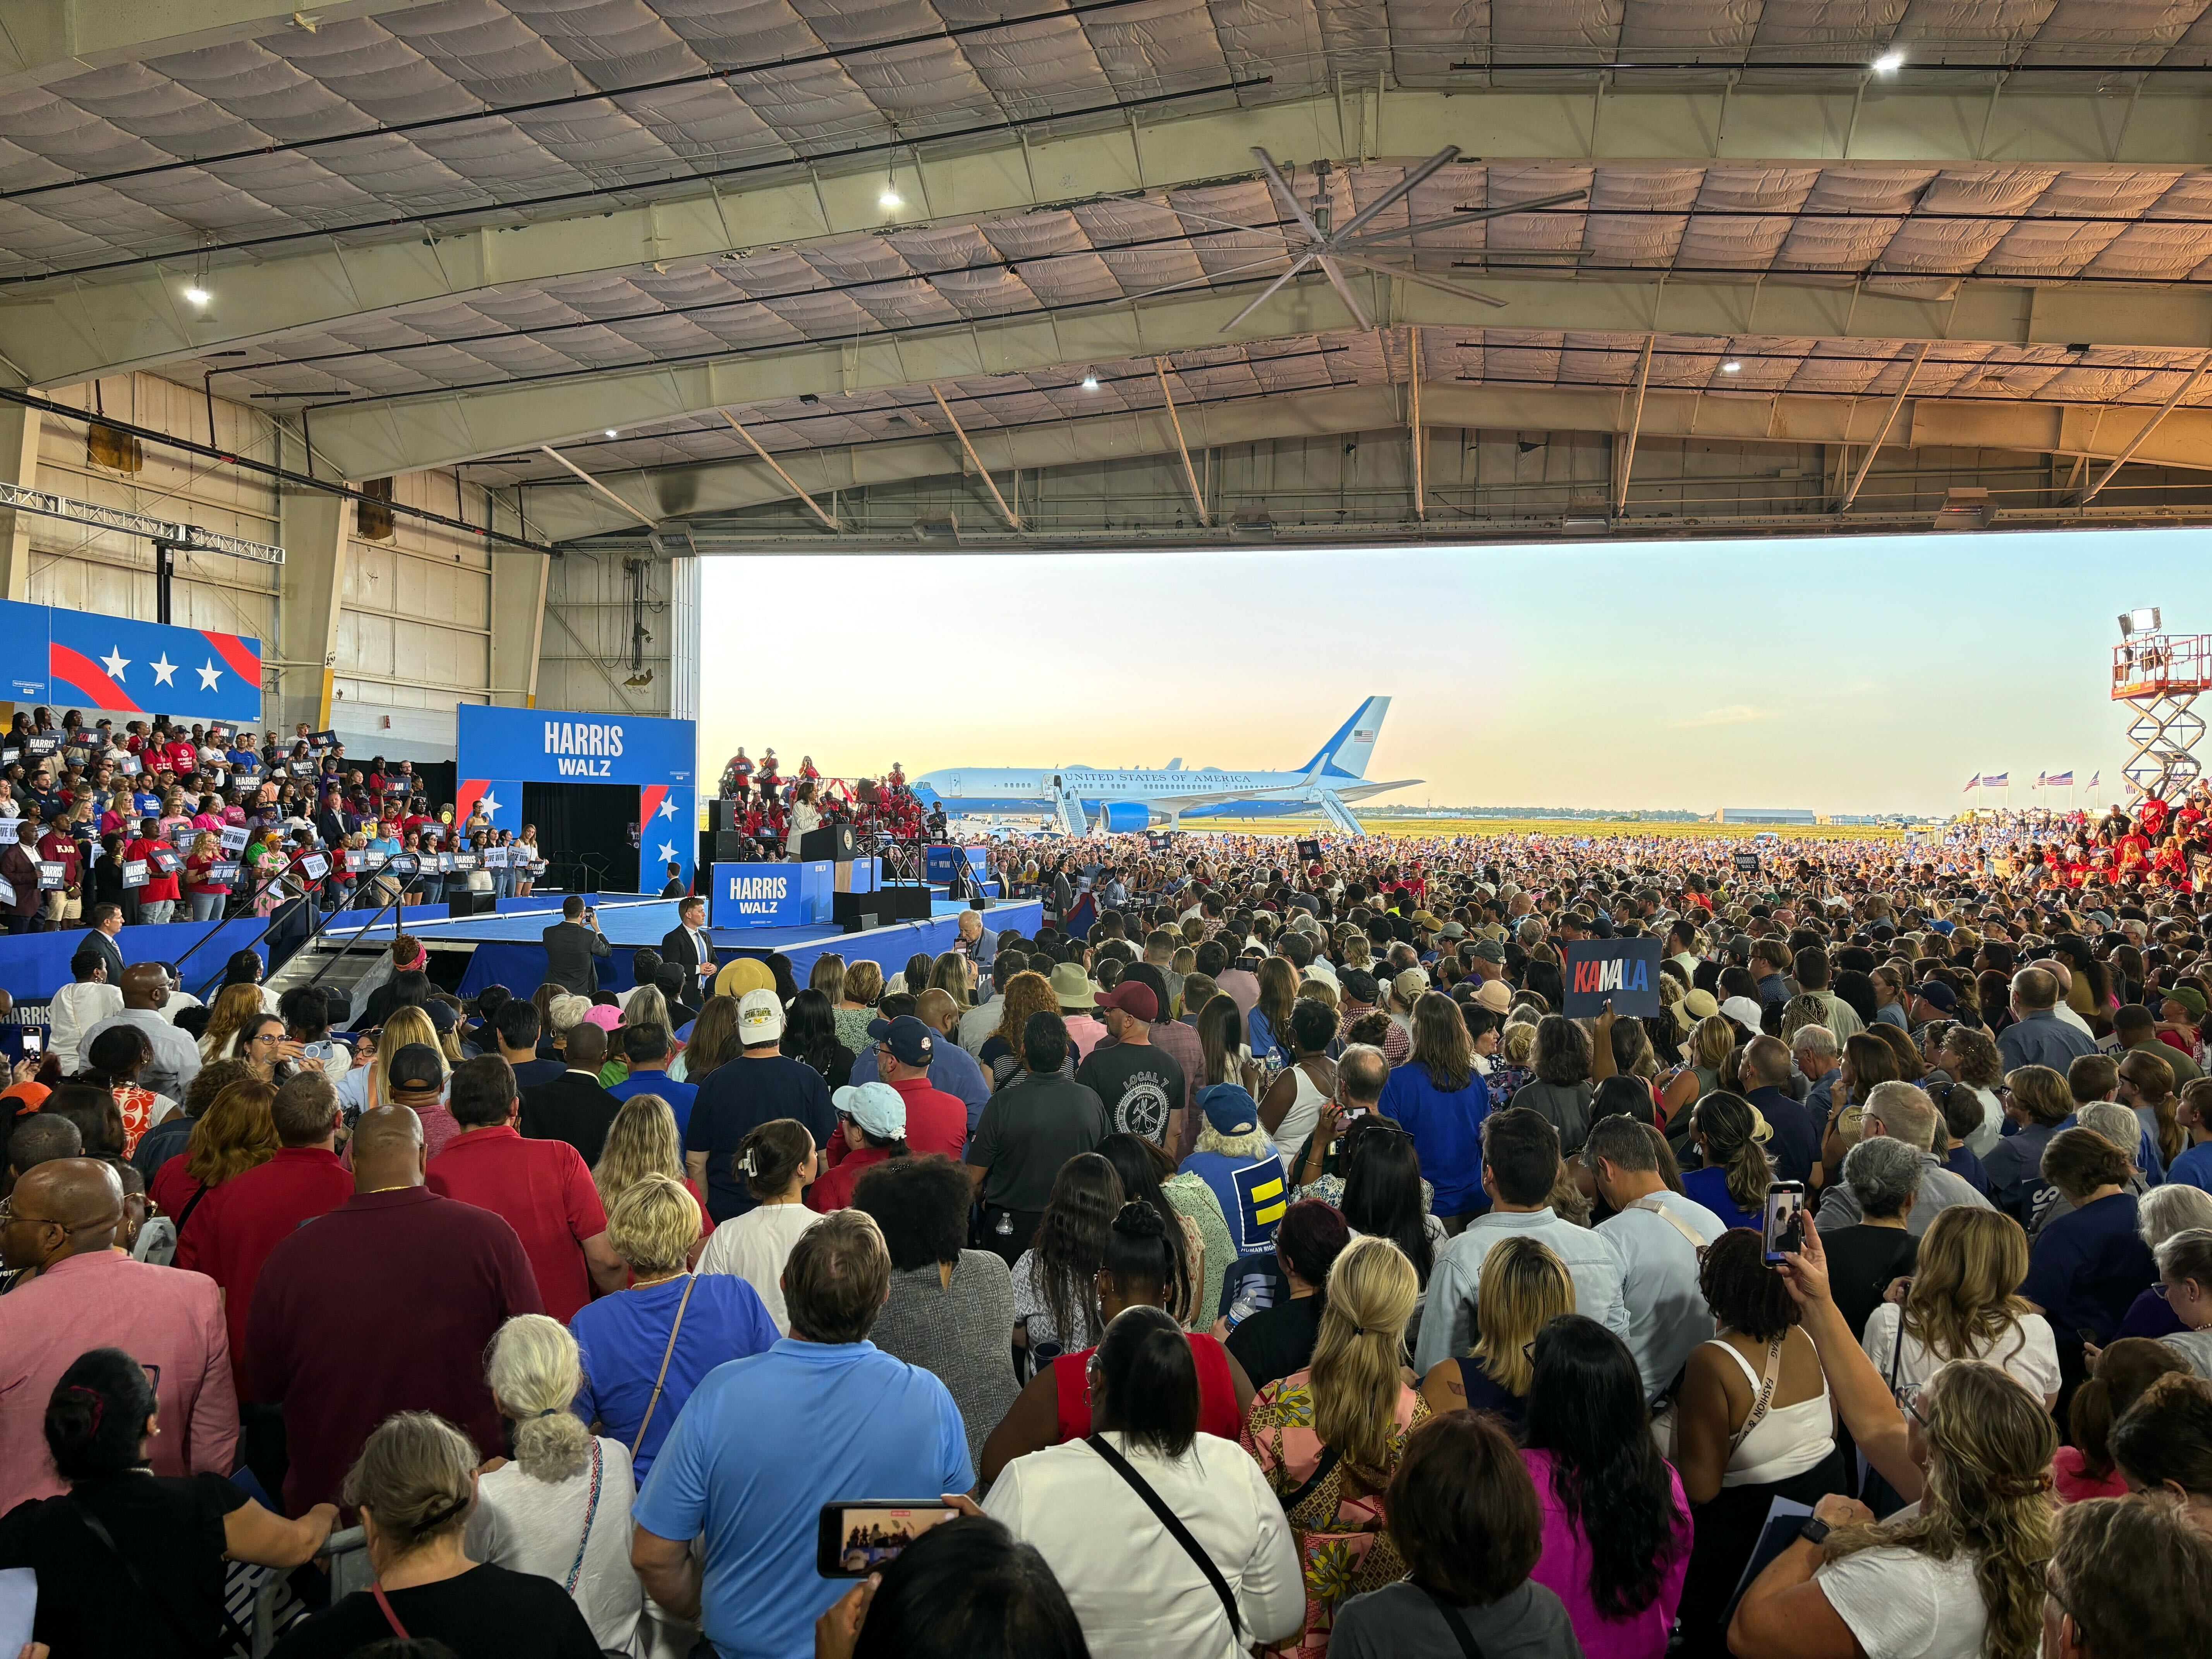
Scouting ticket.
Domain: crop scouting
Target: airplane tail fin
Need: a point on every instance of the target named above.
(1345, 755)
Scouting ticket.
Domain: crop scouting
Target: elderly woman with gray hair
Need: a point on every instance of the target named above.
(415, 1485)
(1883, 1176)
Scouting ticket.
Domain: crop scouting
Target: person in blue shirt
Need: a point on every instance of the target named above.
(645, 1045)
(2193, 1168)
(764, 1441)
(1733, 1181)
(1240, 1166)
(2088, 1265)
(622, 1338)
(1440, 1100)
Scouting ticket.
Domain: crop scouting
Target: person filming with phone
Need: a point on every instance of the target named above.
(571, 945)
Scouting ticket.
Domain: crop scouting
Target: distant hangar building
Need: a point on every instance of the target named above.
(1803, 815)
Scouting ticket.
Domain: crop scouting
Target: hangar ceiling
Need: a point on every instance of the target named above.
(908, 247)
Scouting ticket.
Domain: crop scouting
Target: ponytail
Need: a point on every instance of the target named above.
(1728, 1123)
(535, 1372)
(1356, 1377)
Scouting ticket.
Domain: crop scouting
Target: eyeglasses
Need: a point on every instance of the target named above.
(8, 1213)
(1909, 1398)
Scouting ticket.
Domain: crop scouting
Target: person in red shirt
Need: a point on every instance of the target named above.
(872, 1117)
(181, 755)
(385, 1305)
(242, 1219)
(935, 1121)
(58, 846)
(157, 899)
(542, 1188)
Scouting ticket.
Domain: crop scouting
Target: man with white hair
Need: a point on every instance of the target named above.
(1819, 1058)
(1903, 1111)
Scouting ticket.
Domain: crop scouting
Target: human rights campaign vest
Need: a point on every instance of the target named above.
(1253, 1196)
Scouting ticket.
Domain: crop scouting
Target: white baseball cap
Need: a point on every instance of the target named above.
(760, 1018)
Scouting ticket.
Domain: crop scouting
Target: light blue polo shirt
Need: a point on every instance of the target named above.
(762, 1443)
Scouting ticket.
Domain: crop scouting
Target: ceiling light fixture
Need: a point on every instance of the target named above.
(610, 432)
(890, 198)
(1090, 379)
(1889, 63)
(198, 295)
(1731, 367)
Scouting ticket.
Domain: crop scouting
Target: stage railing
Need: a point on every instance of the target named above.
(401, 864)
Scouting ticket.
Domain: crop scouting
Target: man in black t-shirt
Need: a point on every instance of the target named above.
(1141, 1084)
(1029, 1129)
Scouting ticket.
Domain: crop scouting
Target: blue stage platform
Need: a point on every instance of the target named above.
(506, 949)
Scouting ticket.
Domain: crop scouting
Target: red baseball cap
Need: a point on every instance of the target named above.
(1132, 996)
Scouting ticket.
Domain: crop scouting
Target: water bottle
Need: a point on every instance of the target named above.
(1241, 1309)
(1005, 1227)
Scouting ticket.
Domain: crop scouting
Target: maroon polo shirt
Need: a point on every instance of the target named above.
(385, 1304)
(545, 1193)
(242, 1219)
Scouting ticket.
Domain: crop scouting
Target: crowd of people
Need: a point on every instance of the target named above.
(1255, 1256)
(771, 812)
(156, 822)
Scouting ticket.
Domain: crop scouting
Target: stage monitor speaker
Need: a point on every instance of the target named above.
(471, 904)
(731, 846)
(983, 903)
(904, 900)
(846, 908)
(831, 840)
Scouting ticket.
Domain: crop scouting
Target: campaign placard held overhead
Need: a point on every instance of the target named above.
(1622, 971)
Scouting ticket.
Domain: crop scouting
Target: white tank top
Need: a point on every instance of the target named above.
(1299, 1122)
(1789, 1440)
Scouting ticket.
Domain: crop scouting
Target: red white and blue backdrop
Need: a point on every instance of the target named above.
(84, 659)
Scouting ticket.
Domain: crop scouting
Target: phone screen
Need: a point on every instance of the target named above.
(855, 1537)
(1783, 1225)
(34, 1041)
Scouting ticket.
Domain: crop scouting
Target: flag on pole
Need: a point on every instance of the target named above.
(2042, 778)
(2094, 776)
(1973, 783)
(2061, 779)
(2001, 781)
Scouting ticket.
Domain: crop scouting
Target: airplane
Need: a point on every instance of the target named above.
(1082, 798)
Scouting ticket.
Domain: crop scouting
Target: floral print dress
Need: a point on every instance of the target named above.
(1335, 1512)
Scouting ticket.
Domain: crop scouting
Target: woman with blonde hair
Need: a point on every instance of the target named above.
(1328, 1438)
(366, 1088)
(1711, 1041)
(952, 974)
(1965, 1303)
(415, 1485)
(1961, 1576)
(1523, 1288)
(856, 1004)
(695, 1321)
(235, 1133)
(234, 1005)
(561, 1509)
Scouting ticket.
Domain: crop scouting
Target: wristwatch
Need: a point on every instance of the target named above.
(1814, 1530)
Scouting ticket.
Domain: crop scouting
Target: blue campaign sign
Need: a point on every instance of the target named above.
(85, 659)
(499, 750)
(758, 896)
(939, 862)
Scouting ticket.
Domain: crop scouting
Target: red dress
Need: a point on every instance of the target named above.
(1217, 1394)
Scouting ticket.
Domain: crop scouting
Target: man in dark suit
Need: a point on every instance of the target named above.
(687, 945)
(333, 823)
(570, 945)
(106, 921)
(573, 1106)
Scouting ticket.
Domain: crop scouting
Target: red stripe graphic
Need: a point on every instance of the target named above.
(245, 660)
(648, 803)
(466, 797)
(82, 675)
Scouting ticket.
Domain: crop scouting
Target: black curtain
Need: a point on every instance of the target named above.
(587, 834)
(441, 778)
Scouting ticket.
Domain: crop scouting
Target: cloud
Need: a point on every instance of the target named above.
(1735, 713)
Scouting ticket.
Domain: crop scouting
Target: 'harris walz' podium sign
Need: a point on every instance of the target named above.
(1622, 971)
(772, 895)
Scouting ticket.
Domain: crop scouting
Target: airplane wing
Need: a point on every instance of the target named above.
(1362, 790)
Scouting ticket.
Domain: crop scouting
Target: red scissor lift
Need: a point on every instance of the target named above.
(2159, 676)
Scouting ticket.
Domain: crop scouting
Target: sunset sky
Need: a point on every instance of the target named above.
(1842, 675)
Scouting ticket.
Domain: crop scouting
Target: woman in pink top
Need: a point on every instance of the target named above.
(1616, 1526)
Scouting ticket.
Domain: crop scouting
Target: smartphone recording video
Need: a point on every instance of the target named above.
(1783, 1225)
(856, 1538)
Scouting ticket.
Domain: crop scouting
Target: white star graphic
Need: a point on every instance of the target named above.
(115, 662)
(208, 674)
(489, 803)
(164, 672)
(668, 806)
(667, 853)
